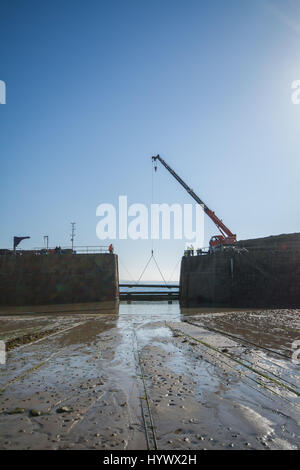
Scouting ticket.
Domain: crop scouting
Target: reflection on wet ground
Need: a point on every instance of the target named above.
(148, 375)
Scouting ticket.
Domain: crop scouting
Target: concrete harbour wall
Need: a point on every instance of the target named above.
(58, 278)
(266, 274)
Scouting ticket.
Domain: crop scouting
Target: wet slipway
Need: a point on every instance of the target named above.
(149, 376)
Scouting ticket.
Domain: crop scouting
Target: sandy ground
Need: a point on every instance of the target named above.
(148, 375)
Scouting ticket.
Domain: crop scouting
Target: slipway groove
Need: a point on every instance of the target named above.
(230, 357)
(42, 363)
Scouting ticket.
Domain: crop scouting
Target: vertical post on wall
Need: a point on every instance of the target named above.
(46, 241)
(73, 234)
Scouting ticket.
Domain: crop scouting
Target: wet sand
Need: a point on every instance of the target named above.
(147, 375)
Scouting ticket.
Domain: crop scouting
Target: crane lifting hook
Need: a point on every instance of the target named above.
(154, 162)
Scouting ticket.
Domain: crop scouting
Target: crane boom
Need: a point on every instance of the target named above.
(227, 235)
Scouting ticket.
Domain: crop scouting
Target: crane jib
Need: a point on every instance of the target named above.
(218, 222)
(186, 187)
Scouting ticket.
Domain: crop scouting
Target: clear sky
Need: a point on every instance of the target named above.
(94, 88)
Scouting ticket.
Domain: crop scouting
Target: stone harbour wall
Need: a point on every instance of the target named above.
(31, 279)
(265, 274)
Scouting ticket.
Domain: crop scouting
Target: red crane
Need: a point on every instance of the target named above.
(226, 237)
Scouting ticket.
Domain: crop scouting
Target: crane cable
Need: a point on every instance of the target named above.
(145, 267)
(175, 267)
(147, 264)
(159, 269)
(154, 168)
(124, 267)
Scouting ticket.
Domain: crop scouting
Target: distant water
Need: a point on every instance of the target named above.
(143, 286)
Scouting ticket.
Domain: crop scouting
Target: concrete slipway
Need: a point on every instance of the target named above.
(148, 376)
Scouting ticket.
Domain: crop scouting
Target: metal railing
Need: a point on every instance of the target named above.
(91, 249)
(78, 249)
(241, 247)
(196, 252)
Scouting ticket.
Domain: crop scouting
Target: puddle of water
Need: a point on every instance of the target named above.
(163, 310)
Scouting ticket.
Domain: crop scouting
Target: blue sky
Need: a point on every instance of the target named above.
(95, 88)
